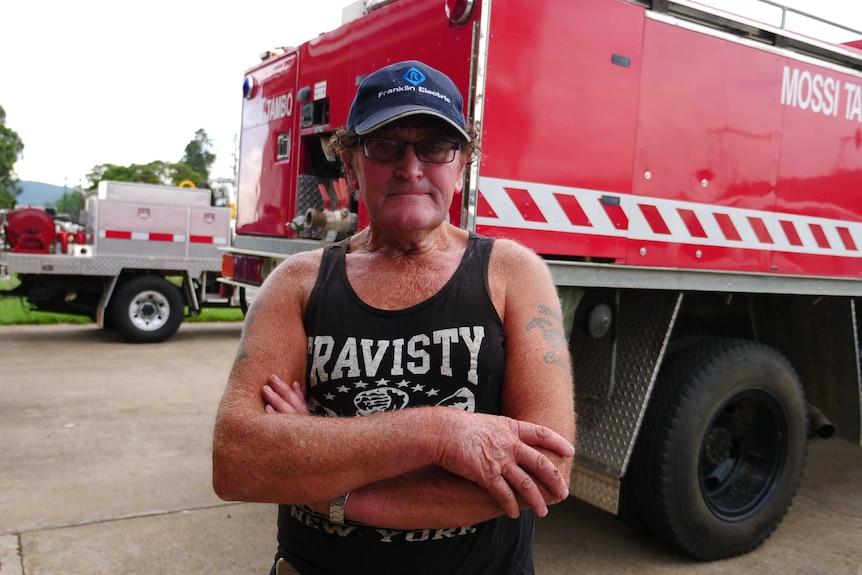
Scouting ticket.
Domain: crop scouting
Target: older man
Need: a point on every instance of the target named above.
(404, 395)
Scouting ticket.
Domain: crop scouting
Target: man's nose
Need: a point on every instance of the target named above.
(409, 165)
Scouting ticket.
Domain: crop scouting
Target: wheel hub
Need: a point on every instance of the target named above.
(742, 454)
(718, 446)
(149, 311)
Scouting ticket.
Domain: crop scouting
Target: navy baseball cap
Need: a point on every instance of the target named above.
(405, 89)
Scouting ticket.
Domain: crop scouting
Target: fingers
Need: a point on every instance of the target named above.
(541, 436)
(539, 466)
(515, 485)
(501, 490)
(280, 397)
(527, 489)
(543, 471)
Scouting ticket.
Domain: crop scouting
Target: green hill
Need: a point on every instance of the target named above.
(38, 193)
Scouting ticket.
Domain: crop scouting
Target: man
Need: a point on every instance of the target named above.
(436, 356)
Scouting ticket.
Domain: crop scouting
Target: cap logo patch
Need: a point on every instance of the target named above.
(414, 76)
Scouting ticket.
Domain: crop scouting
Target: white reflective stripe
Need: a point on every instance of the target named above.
(493, 191)
(508, 215)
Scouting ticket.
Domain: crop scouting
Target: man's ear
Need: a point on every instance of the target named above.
(349, 171)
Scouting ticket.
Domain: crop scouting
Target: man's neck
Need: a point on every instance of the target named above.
(415, 245)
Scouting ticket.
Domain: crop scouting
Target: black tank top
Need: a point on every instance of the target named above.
(447, 350)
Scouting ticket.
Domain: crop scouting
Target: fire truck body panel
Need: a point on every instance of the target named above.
(693, 180)
(615, 179)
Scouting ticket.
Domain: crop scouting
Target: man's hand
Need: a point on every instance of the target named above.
(501, 455)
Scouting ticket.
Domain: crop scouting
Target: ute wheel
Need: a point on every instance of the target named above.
(146, 309)
(722, 448)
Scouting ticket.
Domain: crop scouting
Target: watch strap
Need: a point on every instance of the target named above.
(336, 509)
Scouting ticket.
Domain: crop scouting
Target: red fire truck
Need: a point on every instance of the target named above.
(694, 180)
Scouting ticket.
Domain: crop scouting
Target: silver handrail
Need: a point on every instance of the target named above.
(785, 9)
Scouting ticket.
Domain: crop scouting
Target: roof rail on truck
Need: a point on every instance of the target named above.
(778, 35)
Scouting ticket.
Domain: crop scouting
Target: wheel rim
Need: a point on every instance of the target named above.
(149, 310)
(742, 454)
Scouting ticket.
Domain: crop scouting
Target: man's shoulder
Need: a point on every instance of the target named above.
(299, 266)
(303, 260)
(517, 267)
(511, 251)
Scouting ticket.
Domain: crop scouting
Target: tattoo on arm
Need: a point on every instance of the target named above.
(551, 328)
(543, 309)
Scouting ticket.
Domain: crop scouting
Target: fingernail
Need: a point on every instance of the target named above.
(267, 387)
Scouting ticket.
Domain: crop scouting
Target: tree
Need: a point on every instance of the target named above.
(198, 156)
(157, 172)
(11, 147)
(70, 203)
(193, 167)
(182, 172)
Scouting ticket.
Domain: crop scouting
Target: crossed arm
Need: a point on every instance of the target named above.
(428, 467)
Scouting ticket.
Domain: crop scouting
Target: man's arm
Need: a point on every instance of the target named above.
(538, 378)
(258, 456)
(427, 498)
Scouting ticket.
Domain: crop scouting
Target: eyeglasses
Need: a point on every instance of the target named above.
(389, 149)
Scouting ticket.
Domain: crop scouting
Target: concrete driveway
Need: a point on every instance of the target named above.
(105, 468)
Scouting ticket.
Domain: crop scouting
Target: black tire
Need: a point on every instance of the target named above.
(146, 309)
(722, 448)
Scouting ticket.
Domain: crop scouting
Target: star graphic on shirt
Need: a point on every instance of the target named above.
(328, 397)
(403, 383)
(418, 387)
(342, 389)
(382, 381)
(432, 392)
(361, 384)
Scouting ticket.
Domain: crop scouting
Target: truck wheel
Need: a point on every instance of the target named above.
(722, 448)
(146, 309)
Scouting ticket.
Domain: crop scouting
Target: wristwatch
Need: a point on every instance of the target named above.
(336, 509)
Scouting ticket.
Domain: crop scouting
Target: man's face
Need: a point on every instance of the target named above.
(408, 195)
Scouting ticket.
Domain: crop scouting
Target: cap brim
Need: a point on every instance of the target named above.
(389, 115)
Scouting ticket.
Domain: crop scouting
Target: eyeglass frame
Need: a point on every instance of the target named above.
(404, 143)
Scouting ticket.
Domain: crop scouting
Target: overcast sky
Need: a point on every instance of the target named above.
(91, 82)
